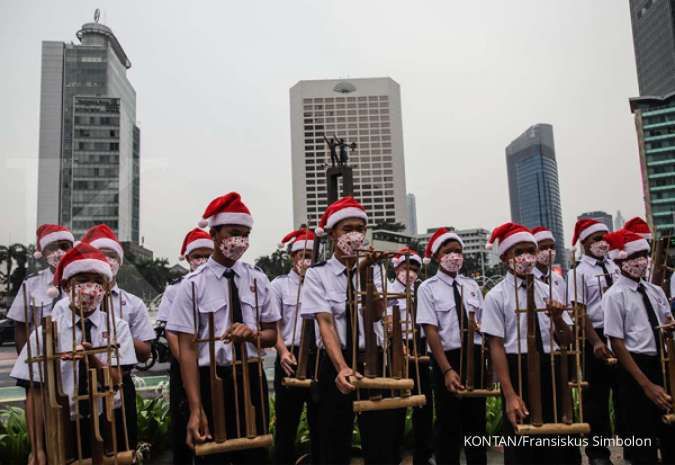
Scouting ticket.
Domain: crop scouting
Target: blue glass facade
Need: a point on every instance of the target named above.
(534, 191)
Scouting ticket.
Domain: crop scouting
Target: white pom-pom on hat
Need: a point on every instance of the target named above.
(489, 246)
(426, 260)
(202, 223)
(37, 254)
(319, 231)
(622, 255)
(52, 292)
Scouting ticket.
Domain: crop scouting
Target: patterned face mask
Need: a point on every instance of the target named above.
(544, 255)
(114, 265)
(599, 249)
(301, 265)
(523, 263)
(233, 248)
(452, 262)
(636, 268)
(54, 258)
(88, 296)
(409, 275)
(196, 262)
(350, 242)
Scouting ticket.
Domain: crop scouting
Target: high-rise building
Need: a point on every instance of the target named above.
(619, 220)
(411, 208)
(655, 125)
(534, 192)
(362, 111)
(653, 24)
(89, 152)
(602, 217)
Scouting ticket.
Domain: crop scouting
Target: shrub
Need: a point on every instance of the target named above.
(14, 443)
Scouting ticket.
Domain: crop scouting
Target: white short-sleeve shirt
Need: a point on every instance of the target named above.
(626, 315)
(500, 318)
(558, 288)
(132, 309)
(101, 333)
(165, 304)
(407, 324)
(436, 306)
(591, 284)
(286, 291)
(37, 286)
(212, 296)
(325, 291)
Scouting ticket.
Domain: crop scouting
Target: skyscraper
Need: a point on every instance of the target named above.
(364, 111)
(89, 153)
(619, 220)
(534, 192)
(600, 216)
(411, 206)
(653, 24)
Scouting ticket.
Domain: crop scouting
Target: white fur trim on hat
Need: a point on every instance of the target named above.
(106, 243)
(646, 236)
(629, 249)
(543, 235)
(87, 265)
(301, 245)
(443, 238)
(513, 239)
(198, 244)
(349, 212)
(56, 236)
(241, 219)
(591, 230)
(396, 261)
(426, 260)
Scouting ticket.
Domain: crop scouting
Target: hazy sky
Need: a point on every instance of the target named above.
(212, 81)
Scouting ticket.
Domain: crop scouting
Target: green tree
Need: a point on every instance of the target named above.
(276, 264)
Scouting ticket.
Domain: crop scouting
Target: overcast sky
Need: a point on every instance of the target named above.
(212, 82)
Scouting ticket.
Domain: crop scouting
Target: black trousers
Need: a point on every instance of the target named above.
(643, 417)
(130, 408)
(86, 436)
(457, 418)
(601, 382)
(529, 454)
(260, 405)
(378, 429)
(422, 417)
(289, 403)
(180, 414)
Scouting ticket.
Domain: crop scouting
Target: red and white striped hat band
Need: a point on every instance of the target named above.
(541, 233)
(226, 209)
(54, 237)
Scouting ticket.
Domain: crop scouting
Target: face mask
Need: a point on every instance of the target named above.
(114, 265)
(196, 262)
(636, 268)
(452, 262)
(409, 275)
(350, 242)
(599, 249)
(543, 257)
(88, 296)
(524, 263)
(301, 266)
(54, 258)
(233, 248)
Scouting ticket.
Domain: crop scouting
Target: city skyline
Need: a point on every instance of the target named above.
(462, 101)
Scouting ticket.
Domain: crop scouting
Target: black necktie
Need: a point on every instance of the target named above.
(82, 375)
(651, 314)
(537, 328)
(236, 306)
(544, 278)
(349, 339)
(608, 276)
(459, 307)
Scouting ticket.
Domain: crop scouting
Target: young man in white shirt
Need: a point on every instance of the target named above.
(545, 259)
(634, 309)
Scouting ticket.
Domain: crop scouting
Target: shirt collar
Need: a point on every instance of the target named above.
(294, 276)
(96, 318)
(218, 270)
(539, 274)
(115, 289)
(593, 261)
(446, 278)
(336, 265)
(626, 283)
(509, 280)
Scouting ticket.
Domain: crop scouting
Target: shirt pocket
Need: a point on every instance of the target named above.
(337, 300)
(289, 302)
(250, 313)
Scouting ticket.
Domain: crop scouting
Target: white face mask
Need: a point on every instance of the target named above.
(636, 268)
(452, 262)
(301, 265)
(599, 249)
(523, 263)
(409, 275)
(350, 242)
(55, 257)
(196, 262)
(544, 255)
(88, 296)
(114, 265)
(233, 248)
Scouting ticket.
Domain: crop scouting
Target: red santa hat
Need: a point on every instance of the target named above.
(439, 237)
(48, 233)
(300, 239)
(102, 236)
(226, 209)
(542, 233)
(346, 207)
(639, 227)
(509, 234)
(195, 239)
(83, 258)
(585, 227)
(404, 253)
(624, 243)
